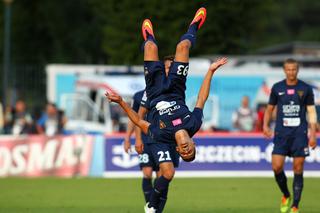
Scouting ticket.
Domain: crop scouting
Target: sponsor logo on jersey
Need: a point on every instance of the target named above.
(281, 93)
(169, 111)
(176, 122)
(185, 117)
(291, 109)
(290, 91)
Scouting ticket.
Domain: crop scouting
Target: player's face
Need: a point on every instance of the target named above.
(291, 71)
(51, 110)
(189, 156)
(187, 151)
(20, 106)
(245, 102)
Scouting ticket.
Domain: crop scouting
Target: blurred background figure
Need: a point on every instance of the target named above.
(261, 108)
(316, 92)
(243, 118)
(52, 121)
(17, 120)
(1, 119)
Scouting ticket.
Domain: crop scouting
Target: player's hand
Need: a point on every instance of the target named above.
(139, 146)
(127, 146)
(267, 132)
(313, 142)
(113, 97)
(218, 63)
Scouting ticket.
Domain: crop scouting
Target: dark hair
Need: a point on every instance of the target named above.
(291, 61)
(168, 58)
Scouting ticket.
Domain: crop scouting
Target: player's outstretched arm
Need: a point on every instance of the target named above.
(205, 87)
(266, 121)
(134, 117)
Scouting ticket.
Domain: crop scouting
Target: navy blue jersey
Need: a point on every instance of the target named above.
(139, 98)
(145, 101)
(291, 102)
(167, 121)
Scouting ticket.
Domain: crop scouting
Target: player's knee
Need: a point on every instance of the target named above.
(147, 175)
(150, 46)
(277, 168)
(297, 169)
(168, 174)
(183, 46)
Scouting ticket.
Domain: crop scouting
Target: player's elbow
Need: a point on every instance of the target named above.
(144, 126)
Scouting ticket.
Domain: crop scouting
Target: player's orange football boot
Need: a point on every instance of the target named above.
(147, 29)
(200, 17)
(294, 210)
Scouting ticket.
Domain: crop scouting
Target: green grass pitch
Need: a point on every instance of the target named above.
(186, 195)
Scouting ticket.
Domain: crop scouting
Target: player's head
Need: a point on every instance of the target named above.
(185, 145)
(245, 101)
(20, 106)
(167, 60)
(291, 69)
(51, 109)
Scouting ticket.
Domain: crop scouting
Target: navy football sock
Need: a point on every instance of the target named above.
(160, 187)
(191, 34)
(297, 189)
(163, 200)
(149, 38)
(282, 183)
(193, 28)
(147, 188)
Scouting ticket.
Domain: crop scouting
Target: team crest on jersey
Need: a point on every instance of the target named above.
(162, 124)
(300, 93)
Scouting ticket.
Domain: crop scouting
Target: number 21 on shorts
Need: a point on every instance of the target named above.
(163, 156)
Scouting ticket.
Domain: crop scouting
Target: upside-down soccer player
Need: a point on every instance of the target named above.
(293, 99)
(171, 120)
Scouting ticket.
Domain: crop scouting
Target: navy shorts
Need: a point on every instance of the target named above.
(146, 158)
(292, 146)
(164, 152)
(154, 74)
